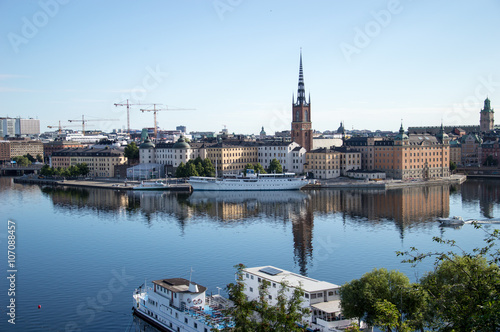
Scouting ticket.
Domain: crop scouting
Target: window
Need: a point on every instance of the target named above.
(251, 289)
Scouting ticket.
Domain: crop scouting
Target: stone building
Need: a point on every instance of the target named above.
(414, 156)
(101, 162)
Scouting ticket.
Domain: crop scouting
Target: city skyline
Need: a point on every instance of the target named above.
(369, 64)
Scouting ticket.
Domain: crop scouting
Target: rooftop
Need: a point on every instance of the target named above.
(178, 285)
(293, 279)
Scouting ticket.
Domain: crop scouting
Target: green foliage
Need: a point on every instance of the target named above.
(464, 293)
(196, 167)
(131, 151)
(73, 171)
(388, 317)
(275, 167)
(490, 161)
(353, 328)
(22, 161)
(453, 166)
(259, 169)
(30, 157)
(464, 289)
(360, 298)
(260, 315)
(180, 172)
(39, 158)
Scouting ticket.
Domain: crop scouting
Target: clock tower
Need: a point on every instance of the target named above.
(301, 115)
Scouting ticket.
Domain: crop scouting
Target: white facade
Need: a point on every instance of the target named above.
(323, 298)
(327, 142)
(290, 155)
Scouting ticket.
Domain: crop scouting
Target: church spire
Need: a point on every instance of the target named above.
(301, 92)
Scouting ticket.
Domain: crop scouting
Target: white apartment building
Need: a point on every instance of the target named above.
(290, 155)
(323, 298)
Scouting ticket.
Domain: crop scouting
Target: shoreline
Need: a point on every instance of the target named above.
(338, 183)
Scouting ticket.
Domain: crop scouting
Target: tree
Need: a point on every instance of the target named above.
(464, 293)
(275, 167)
(83, 169)
(30, 158)
(131, 152)
(180, 172)
(388, 317)
(191, 170)
(22, 161)
(259, 169)
(359, 298)
(39, 158)
(490, 161)
(453, 166)
(46, 170)
(247, 167)
(464, 288)
(208, 167)
(260, 315)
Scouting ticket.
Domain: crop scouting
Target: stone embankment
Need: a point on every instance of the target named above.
(114, 184)
(346, 183)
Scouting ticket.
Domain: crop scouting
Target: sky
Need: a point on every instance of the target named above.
(234, 63)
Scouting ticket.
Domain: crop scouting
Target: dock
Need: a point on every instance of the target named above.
(99, 184)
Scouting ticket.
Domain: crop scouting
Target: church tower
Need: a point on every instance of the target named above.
(301, 115)
(486, 122)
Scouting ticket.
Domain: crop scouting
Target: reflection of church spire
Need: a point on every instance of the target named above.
(302, 228)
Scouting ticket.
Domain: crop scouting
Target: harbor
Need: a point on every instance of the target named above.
(180, 185)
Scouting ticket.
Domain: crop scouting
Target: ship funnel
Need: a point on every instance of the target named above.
(193, 288)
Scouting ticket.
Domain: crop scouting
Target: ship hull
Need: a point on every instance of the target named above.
(246, 184)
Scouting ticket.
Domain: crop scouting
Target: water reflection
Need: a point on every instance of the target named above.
(408, 207)
(486, 191)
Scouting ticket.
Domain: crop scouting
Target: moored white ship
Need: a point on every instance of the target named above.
(250, 181)
(157, 185)
(178, 304)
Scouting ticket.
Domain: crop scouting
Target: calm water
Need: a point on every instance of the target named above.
(80, 253)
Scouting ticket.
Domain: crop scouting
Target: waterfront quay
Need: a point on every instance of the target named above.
(182, 186)
(115, 184)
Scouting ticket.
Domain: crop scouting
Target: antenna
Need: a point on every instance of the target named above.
(190, 274)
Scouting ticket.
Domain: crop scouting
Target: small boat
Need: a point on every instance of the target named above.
(157, 185)
(178, 304)
(455, 220)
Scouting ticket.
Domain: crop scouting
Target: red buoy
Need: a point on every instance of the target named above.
(39, 306)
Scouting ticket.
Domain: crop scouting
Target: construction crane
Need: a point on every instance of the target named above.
(128, 111)
(154, 110)
(84, 121)
(60, 127)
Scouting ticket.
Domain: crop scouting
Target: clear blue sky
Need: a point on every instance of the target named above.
(368, 63)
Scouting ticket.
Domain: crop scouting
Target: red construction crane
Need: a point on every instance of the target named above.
(154, 110)
(128, 111)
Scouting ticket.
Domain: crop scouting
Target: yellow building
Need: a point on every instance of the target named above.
(323, 163)
(232, 157)
(23, 147)
(101, 162)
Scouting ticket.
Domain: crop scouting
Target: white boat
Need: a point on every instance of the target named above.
(456, 220)
(178, 304)
(250, 181)
(157, 185)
